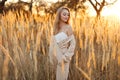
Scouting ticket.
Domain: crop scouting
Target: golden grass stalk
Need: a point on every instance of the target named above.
(84, 73)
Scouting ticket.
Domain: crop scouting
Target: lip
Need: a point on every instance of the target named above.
(66, 18)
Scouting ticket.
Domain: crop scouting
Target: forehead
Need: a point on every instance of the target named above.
(64, 11)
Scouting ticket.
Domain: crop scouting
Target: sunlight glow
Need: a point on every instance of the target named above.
(112, 10)
(52, 1)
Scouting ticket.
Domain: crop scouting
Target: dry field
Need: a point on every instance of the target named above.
(24, 44)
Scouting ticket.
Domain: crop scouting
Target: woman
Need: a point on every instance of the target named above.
(62, 44)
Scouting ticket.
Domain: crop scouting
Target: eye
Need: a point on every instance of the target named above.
(64, 14)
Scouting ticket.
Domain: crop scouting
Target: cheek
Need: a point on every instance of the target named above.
(68, 17)
(61, 16)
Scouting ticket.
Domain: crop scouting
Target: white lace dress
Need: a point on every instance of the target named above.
(60, 52)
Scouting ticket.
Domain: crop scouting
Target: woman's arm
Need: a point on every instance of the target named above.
(71, 48)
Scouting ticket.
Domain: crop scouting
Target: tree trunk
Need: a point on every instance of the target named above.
(2, 4)
(30, 9)
(98, 14)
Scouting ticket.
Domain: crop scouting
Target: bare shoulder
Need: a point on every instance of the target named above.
(69, 30)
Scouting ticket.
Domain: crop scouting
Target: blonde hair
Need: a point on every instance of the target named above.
(57, 20)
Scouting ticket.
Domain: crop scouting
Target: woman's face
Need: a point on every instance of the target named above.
(64, 16)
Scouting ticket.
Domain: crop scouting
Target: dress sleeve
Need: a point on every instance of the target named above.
(71, 48)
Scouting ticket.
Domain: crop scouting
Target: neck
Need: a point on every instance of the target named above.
(62, 24)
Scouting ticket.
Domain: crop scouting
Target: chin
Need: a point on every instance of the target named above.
(65, 21)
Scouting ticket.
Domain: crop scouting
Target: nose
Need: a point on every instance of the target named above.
(67, 17)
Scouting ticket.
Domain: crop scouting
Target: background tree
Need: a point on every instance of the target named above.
(74, 5)
(98, 5)
(2, 4)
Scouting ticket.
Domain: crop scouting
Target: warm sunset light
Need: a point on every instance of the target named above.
(52, 0)
(111, 10)
(40, 40)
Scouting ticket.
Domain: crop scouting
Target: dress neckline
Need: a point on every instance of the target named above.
(63, 33)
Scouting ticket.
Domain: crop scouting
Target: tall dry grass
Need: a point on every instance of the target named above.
(24, 43)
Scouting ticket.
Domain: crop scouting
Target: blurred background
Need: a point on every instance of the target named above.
(25, 33)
